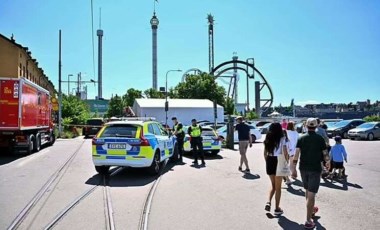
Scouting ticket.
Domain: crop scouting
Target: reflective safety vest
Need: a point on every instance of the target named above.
(176, 128)
(195, 131)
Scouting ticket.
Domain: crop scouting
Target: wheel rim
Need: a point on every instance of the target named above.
(345, 135)
(370, 136)
(157, 163)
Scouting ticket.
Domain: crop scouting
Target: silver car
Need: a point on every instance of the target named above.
(369, 131)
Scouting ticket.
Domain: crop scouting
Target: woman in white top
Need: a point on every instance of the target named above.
(274, 145)
(293, 138)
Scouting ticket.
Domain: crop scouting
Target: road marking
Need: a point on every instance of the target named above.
(31, 158)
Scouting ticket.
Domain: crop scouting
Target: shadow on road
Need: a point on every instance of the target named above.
(298, 192)
(6, 158)
(343, 184)
(207, 157)
(130, 177)
(250, 176)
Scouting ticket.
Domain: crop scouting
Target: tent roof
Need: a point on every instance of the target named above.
(175, 103)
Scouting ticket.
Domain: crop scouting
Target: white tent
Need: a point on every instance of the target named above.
(183, 109)
(275, 114)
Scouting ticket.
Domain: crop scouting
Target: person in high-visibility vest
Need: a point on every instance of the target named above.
(180, 134)
(195, 132)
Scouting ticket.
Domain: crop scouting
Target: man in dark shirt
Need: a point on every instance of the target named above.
(245, 139)
(311, 148)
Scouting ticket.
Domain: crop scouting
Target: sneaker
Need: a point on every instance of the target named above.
(309, 225)
(278, 211)
(240, 169)
(289, 182)
(247, 171)
(203, 163)
(195, 162)
(267, 207)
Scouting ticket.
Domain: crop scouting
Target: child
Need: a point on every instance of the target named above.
(337, 155)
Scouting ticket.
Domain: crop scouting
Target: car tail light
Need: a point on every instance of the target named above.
(20, 139)
(143, 140)
(96, 141)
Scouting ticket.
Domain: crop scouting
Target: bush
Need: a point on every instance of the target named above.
(372, 118)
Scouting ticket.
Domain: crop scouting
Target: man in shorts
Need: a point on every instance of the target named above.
(245, 139)
(312, 150)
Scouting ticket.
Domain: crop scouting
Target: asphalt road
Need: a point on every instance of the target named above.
(217, 196)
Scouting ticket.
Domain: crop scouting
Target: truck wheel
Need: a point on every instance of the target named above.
(30, 147)
(102, 169)
(155, 167)
(51, 138)
(37, 143)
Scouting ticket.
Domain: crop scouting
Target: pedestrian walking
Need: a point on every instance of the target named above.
(293, 138)
(275, 153)
(311, 150)
(245, 140)
(284, 124)
(195, 132)
(180, 135)
(337, 155)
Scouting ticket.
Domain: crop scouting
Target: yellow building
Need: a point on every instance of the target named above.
(16, 61)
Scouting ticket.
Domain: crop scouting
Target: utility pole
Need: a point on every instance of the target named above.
(59, 88)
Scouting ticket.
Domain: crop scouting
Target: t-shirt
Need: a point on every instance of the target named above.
(311, 146)
(338, 153)
(292, 143)
(243, 131)
(278, 151)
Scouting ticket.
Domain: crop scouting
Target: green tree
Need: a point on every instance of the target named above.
(130, 96)
(75, 109)
(201, 86)
(229, 106)
(372, 118)
(116, 107)
(252, 115)
(153, 93)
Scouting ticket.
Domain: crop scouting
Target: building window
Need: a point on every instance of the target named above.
(20, 70)
(23, 72)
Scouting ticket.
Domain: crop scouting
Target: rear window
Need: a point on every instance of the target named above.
(95, 122)
(208, 132)
(120, 131)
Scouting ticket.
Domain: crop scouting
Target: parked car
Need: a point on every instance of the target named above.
(211, 124)
(262, 123)
(255, 133)
(210, 140)
(264, 128)
(92, 127)
(369, 131)
(137, 144)
(341, 128)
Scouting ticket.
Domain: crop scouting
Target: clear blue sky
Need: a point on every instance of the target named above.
(322, 51)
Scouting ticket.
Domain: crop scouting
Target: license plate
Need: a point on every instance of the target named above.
(117, 146)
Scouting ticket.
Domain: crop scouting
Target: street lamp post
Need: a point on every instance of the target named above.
(166, 94)
(68, 84)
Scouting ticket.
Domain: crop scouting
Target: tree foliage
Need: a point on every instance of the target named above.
(75, 109)
(372, 118)
(153, 93)
(115, 107)
(229, 106)
(201, 86)
(252, 115)
(130, 96)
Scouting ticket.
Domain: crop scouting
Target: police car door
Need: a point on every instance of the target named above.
(162, 141)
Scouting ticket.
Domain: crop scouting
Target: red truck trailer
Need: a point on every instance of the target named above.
(25, 116)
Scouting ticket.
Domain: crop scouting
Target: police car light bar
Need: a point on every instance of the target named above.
(137, 118)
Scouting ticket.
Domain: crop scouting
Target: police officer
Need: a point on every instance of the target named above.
(180, 134)
(195, 132)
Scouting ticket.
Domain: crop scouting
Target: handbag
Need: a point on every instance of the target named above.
(282, 165)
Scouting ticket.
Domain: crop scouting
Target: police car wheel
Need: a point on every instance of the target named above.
(253, 138)
(155, 167)
(102, 169)
(215, 152)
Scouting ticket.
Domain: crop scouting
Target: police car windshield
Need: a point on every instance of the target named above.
(120, 131)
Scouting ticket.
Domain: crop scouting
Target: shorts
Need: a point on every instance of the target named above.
(311, 180)
(337, 165)
(243, 146)
(271, 165)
